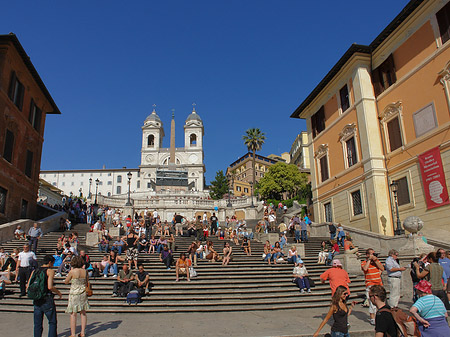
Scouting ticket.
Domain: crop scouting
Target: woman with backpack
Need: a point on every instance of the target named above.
(430, 312)
(78, 301)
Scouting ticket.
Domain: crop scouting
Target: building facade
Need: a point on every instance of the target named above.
(240, 172)
(381, 116)
(299, 152)
(156, 166)
(24, 105)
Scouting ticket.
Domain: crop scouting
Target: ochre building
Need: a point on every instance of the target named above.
(381, 116)
(24, 105)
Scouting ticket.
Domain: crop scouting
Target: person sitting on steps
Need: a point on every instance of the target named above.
(182, 267)
(124, 283)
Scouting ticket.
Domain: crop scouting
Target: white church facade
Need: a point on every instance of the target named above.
(161, 170)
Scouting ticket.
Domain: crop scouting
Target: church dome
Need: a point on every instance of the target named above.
(193, 117)
(153, 117)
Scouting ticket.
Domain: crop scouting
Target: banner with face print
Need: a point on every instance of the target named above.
(433, 178)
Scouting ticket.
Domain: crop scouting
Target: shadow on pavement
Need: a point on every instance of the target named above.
(94, 328)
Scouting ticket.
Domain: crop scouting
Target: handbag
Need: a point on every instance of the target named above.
(312, 284)
(89, 291)
(192, 272)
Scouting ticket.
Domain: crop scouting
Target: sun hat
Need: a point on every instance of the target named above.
(300, 261)
(424, 286)
(337, 263)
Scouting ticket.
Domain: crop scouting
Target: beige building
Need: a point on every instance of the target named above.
(299, 153)
(240, 172)
(381, 116)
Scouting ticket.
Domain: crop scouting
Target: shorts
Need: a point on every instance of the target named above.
(179, 226)
(132, 254)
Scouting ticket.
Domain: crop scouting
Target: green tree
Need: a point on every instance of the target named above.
(254, 139)
(219, 186)
(282, 178)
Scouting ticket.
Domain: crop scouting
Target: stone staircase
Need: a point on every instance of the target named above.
(246, 284)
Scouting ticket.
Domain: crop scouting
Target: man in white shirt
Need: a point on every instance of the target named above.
(24, 267)
(394, 273)
(155, 214)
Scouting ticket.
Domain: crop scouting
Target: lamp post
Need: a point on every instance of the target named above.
(96, 190)
(398, 230)
(229, 200)
(129, 175)
(81, 192)
(90, 183)
(251, 195)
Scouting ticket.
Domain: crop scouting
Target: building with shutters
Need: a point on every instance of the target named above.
(382, 115)
(24, 104)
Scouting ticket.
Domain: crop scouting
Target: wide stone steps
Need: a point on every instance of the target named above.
(247, 283)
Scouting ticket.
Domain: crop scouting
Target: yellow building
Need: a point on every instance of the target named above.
(374, 115)
(240, 172)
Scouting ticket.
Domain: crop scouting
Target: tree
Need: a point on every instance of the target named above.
(282, 178)
(219, 186)
(254, 139)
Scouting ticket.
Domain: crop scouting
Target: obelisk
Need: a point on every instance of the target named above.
(172, 139)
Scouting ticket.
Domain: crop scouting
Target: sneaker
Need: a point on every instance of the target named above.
(168, 268)
(104, 275)
(302, 291)
(309, 290)
(114, 295)
(58, 275)
(114, 276)
(372, 321)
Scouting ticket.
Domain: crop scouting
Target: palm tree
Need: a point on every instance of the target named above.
(254, 139)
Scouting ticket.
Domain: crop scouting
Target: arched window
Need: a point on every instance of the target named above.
(119, 179)
(193, 139)
(151, 141)
(118, 190)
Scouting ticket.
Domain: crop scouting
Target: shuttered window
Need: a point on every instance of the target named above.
(345, 101)
(384, 76)
(443, 19)
(35, 116)
(395, 137)
(403, 191)
(351, 152)
(328, 213)
(118, 189)
(9, 145)
(318, 122)
(324, 168)
(24, 209)
(357, 203)
(16, 91)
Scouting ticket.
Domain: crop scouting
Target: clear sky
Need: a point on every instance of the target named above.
(245, 63)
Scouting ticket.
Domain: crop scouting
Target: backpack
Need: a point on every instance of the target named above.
(406, 324)
(133, 297)
(37, 289)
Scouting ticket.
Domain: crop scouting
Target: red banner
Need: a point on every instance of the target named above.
(433, 178)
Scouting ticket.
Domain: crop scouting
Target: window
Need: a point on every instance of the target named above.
(82, 174)
(357, 203)
(72, 183)
(24, 209)
(109, 174)
(9, 145)
(119, 179)
(119, 190)
(109, 182)
(149, 185)
(395, 137)
(403, 191)
(63, 183)
(138, 184)
(345, 101)
(3, 194)
(54, 183)
(193, 139)
(81, 183)
(351, 152)
(324, 168)
(443, 19)
(318, 122)
(35, 116)
(384, 76)
(16, 91)
(328, 213)
(100, 182)
(138, 174)
(29, 164)
(245, 190)
(151, 141)
(238, 188)
(109, 194)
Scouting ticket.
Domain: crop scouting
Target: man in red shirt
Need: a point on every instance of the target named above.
(372, 269)
(336, 275)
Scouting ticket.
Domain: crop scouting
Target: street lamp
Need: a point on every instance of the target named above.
(81, 192)
(229, 200)
(90, 183)
(398, 230)
(129, 175)
(251, 195)
(96, 190)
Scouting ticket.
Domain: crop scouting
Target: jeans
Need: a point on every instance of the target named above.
(302, 283)
(103, 248)
(89, 219)
(268, 256)
(304, 234)
(24, 275)
(33, 244)
(294, 259)
(297, 235)
(275, 256)
(339, 334)
(118, 249)
(168, 261)
(332, 236)
(45, 307)
(113, 266)
(159, 248)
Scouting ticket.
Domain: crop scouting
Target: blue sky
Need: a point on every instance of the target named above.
(244, 63)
